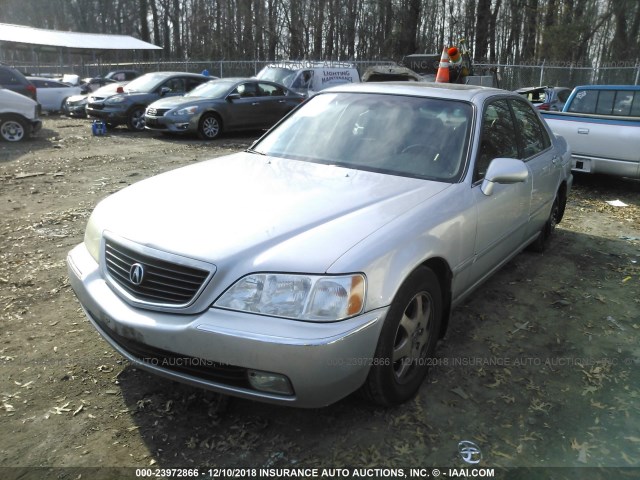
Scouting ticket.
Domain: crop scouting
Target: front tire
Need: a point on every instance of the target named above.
(135, 121)
(13, 129)
(209, 127)
(407, 341)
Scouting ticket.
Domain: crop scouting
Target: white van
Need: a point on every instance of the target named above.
(307, 78)
(19, 116)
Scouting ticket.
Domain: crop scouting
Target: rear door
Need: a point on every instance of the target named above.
(244, 112)
(543, 162)
(274, 103)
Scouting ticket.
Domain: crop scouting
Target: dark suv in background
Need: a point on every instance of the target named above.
(12, 79)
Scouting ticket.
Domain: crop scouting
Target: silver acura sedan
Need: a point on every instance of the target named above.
(327, 257)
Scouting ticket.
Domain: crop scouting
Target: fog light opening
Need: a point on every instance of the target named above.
(270, 382)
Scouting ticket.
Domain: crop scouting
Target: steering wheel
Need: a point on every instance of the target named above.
(430, 152)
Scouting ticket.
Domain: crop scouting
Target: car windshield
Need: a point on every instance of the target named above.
(274, 74)
(393, 134)
(145, 83)
(214, 89)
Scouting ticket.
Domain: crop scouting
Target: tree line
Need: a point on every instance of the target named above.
(579, 32)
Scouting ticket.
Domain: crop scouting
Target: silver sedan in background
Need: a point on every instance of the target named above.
(222, 105)
(328, 256)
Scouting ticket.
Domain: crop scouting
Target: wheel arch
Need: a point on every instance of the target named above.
(562, 197)
(212, 111)
(440, 267)
(135, 106)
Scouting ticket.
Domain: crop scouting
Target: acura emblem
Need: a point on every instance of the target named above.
(136, 274)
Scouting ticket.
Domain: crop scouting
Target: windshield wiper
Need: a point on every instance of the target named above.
(251, 150)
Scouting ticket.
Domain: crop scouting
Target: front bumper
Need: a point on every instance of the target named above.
(171, 124)
(216, 349)
(108, 115)
(75, 110)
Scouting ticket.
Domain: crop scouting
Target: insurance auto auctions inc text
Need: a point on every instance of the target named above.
(372, 473)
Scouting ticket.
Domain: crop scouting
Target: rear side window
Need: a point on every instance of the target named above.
(534, 136)
(607, 102)
(268, 90)
(635, 105)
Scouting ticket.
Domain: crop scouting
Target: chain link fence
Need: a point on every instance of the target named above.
(512, 77)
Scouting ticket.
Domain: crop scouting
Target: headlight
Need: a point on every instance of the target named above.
(92, 236)
(115, 100)
(185, 111)
(300, 297)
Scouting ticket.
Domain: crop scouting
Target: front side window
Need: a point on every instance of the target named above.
(175, 85)
(498, 138)
(393, 134)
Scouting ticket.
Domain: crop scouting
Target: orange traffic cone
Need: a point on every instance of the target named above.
(443, 70)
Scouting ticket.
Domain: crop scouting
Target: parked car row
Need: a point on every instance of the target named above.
(187, 103)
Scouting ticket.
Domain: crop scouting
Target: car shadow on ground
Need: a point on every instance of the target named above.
(539, 368)
(10, 151)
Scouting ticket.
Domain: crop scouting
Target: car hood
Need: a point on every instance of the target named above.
(131, 96)
(266, 213)
(172, 102)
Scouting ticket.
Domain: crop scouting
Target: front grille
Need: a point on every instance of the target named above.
(194, 366)
(157, 112)
(96, 106)
(162, 282)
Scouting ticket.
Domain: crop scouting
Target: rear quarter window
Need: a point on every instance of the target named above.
(7, 77)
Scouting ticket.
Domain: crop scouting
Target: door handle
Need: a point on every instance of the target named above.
(255, 103)
(583, 131)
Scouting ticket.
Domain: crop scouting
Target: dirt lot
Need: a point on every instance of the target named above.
(539, 368)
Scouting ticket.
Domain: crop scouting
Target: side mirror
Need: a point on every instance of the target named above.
(504, 171)
(164, 91)
(233, 96)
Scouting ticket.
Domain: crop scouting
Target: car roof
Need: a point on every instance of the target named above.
(171, 74)
(609, 87)
(421, 89)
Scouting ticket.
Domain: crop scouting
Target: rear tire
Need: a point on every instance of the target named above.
(13, 129)
(541, 243)
(407, 341)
